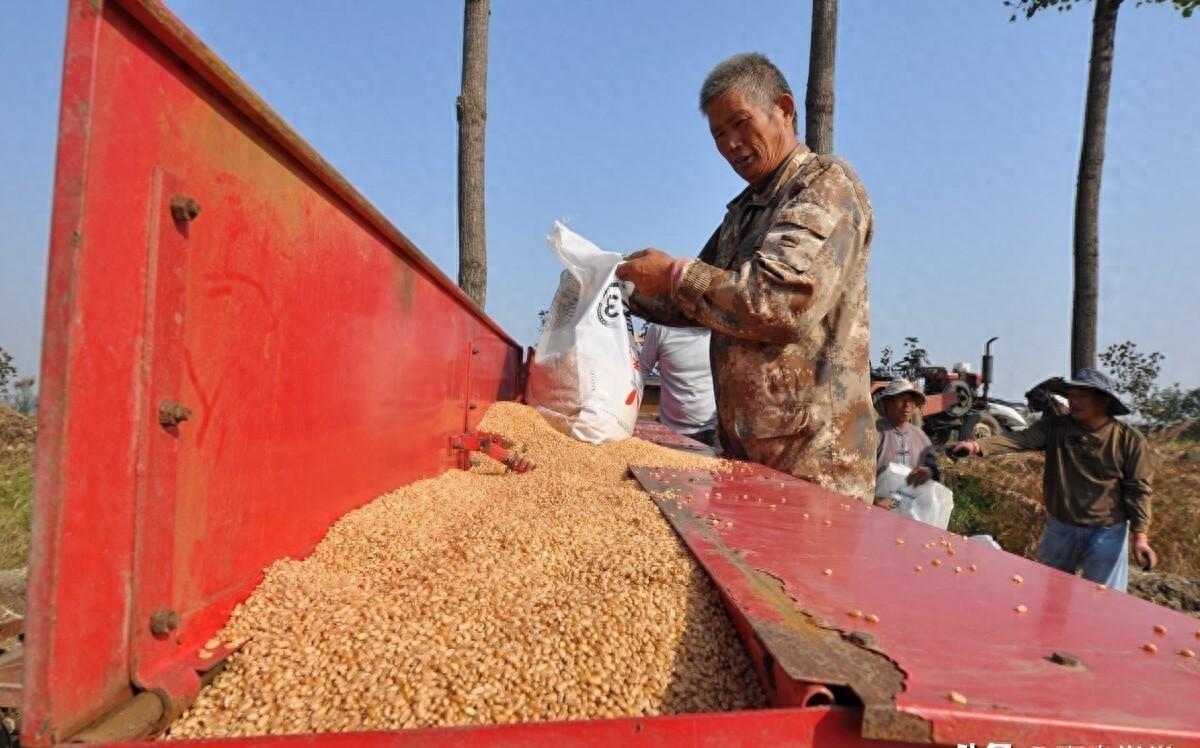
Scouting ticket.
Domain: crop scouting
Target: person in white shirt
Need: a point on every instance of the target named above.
(687, 405)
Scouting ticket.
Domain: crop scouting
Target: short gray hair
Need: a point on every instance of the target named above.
(750, 74)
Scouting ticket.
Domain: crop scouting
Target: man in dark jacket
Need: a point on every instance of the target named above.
(1097, 482)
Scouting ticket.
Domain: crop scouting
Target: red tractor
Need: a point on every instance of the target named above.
(957, 402)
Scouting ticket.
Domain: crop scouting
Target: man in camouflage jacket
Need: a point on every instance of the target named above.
(782, 284)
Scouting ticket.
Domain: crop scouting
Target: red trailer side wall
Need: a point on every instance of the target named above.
(323, 358)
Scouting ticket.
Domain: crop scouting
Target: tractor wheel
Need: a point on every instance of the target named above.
(982, 427)
(963, 399)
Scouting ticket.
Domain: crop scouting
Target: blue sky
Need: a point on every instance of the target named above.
(964, 128)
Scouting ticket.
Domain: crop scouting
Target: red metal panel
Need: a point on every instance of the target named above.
(653, 431)
(954, 626)
(785, 728)
(324, 361)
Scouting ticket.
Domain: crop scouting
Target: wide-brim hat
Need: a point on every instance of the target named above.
(898, 387)
(1091, 379)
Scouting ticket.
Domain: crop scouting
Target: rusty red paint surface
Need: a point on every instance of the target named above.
(324, 361)
(953, 626)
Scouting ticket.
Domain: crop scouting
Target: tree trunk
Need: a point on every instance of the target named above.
(472, 114)
(818, 101)
(1087, 189)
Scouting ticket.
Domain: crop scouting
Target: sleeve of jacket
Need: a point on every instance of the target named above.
(661, 308)
(1136, 475)
(796, 275)
(1027, 440)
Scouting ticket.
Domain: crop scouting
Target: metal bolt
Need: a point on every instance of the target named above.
(1066, 659)
(184, 208)
(163, 622)
(171, 413)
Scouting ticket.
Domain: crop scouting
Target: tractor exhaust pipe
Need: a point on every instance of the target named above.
(987, 367)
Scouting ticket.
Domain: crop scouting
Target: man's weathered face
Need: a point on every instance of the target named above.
(1087, 404)
(754, 142)
(900, 409)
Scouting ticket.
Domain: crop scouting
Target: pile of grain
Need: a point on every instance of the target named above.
(485, 597)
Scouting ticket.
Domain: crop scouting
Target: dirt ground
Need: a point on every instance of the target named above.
(12, 592)
(1169, 590)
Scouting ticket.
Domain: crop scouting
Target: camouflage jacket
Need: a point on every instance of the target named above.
(783, 286)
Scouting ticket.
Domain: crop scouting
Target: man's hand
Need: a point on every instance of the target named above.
(649, 270)
(964, 449)
(1142, 552)
(919, 476)
(884, 502)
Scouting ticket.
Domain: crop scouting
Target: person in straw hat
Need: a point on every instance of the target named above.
(1097, 481)
(900, 441)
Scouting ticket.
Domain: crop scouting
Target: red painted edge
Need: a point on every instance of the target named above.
(70, 182)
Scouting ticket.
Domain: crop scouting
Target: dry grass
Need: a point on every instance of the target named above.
(1002, 497)
(17, 436)
(484, 597)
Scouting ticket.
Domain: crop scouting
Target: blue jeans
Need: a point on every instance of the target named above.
(1102, 552)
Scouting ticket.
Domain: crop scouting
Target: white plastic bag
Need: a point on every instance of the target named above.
(584, 378)
(987, 540)
(930, 502)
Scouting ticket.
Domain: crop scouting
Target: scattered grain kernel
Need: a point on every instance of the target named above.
(1021, 609)
(872, 618)
(212, 644)
(936, 562)
(1151, 648)
(956, 697)
(1160, 629)
(1017, 578)
(1187, 653)
(828, 572)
